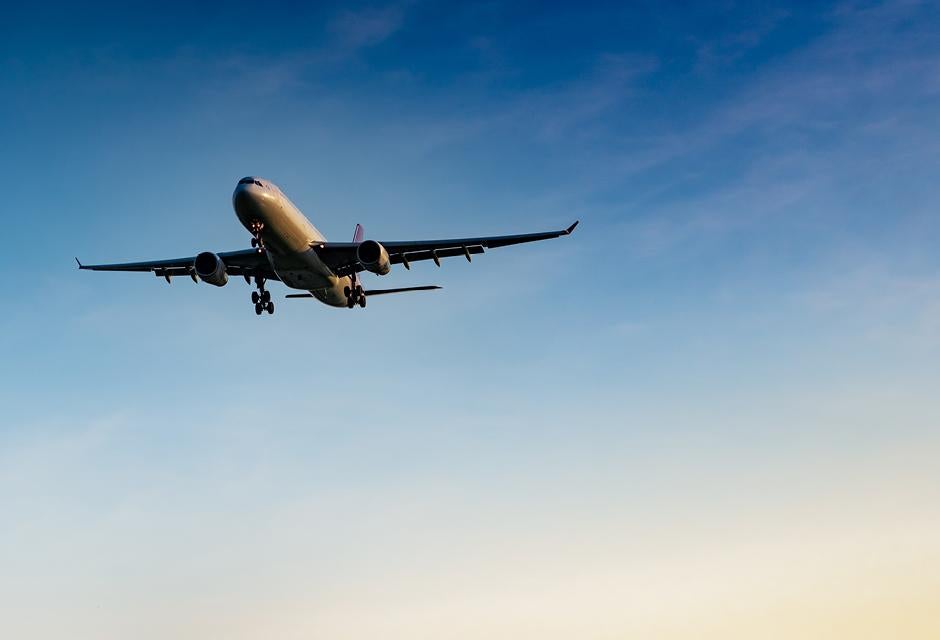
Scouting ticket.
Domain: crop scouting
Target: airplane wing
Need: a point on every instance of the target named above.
(341, 256)
(247, 262)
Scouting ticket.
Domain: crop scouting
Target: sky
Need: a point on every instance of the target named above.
(711, 412)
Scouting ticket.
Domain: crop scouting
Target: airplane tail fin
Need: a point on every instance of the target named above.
(358, 233)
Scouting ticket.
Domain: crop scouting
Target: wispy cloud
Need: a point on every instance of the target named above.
(825, 120)
(368, 27)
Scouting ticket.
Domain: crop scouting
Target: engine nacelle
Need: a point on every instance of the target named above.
(374, 257)
(210, 268)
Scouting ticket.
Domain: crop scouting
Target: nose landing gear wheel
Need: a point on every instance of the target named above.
(257, 241)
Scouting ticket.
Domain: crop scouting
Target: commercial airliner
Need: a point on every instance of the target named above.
(289, 249)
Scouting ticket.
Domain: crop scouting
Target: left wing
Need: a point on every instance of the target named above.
(341, 256)
(247, 262)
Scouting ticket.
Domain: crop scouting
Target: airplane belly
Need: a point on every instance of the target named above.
(304, 270)
(333, 295)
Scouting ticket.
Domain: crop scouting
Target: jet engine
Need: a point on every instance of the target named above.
(374, 257)
(210, 268)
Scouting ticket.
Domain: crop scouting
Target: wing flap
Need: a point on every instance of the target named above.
(430, 254)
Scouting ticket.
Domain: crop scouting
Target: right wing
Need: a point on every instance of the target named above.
(247, 262)
(341, 256)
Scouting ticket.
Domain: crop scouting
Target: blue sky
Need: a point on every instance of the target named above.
(729, 369)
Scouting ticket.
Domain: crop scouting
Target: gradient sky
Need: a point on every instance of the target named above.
(712, 412)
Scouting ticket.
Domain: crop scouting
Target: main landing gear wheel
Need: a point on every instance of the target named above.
(355, 296)
(261, 298)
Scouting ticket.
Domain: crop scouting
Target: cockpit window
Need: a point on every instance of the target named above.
(250, 180)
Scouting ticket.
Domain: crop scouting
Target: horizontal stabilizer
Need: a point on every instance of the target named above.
(379, 292)
(374, 292)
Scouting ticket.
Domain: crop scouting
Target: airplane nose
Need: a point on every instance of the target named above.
(247, 200)
(248, 191)
(242, 196)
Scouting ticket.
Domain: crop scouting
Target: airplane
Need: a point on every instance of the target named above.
(286, 247)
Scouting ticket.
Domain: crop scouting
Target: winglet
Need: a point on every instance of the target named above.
(80, 265)
(571, 228)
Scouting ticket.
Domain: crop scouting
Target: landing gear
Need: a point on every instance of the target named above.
(256, 227)
(261, 298)
(354, 296)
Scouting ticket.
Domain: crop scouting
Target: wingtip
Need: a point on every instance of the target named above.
(80, 265)
(571, 228)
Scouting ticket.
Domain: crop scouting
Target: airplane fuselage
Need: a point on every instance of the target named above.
(289, 239)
